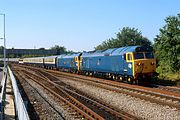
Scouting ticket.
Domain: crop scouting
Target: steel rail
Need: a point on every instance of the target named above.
(168, 88)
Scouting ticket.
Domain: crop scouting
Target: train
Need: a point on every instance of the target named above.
(132, 64)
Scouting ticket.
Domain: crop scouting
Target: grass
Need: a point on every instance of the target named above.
(173, 76)
(168, 79)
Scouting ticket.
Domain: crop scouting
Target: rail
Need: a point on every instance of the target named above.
(3, 94)
(19, 104)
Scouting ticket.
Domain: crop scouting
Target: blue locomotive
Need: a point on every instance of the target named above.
(131, 64)
(68, 63)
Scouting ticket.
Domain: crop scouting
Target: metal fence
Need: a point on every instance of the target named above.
(19, 104)
(3, 93)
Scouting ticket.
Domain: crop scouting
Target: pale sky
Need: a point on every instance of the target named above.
(79, 24)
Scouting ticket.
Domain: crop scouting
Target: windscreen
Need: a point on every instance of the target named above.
(149, 55)
(138, 56)
(143, 55)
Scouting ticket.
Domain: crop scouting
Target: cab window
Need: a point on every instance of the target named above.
(124, 56)
(129, 57)
(80, 58)
(138, 56)
(149, 55)
(75, 58)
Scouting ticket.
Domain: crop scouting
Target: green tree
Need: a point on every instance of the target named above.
(60, 49)
(1, 47)
(126, 37)
(41, 48)
(70, 52)
(167, 45)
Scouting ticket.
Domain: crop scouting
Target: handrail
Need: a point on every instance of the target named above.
(19, 104)
(3, 93)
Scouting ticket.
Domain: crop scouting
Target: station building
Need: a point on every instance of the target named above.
(36, 52)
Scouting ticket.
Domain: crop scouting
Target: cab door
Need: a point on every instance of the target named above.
(78, 62)
(128, 64)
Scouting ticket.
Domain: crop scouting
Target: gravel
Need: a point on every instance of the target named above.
(135, 106)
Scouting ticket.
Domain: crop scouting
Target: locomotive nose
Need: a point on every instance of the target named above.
(145, 66)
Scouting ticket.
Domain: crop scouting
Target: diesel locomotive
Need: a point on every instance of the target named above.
(133, 64)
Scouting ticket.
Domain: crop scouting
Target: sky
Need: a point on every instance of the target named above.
(79, 25)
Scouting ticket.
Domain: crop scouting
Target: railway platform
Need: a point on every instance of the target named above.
(9, 111)
(12, 106)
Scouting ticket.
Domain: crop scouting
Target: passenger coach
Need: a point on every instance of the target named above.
(37, 61)
(50, 62)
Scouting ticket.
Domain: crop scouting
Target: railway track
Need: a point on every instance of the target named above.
(32, 100)
(87, 106)
(149, 94)
(168, 88)
(158, 96)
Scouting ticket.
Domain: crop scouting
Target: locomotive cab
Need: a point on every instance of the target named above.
(142, 65)
(78, 60)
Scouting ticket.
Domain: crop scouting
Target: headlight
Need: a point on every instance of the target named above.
(152, 63)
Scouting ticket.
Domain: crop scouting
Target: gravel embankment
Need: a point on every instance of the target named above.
(140, 108)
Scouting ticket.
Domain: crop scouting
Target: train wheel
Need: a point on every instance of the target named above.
(114, 77)
(90, 74)
(121, 78)
(130, 80)
(87, 73)
(136, 82)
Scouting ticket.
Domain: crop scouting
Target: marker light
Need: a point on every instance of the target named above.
(152, 63)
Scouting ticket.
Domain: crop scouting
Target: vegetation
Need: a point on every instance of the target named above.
(1, 64)
(60, 49)
(126, 37)
(31, 55)
(167, 49)
(2, 47)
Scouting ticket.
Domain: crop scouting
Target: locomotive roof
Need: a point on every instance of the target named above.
(117, 51)
(34, 58)
(69, 55)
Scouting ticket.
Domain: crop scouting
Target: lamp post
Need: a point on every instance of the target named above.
(4, 41)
